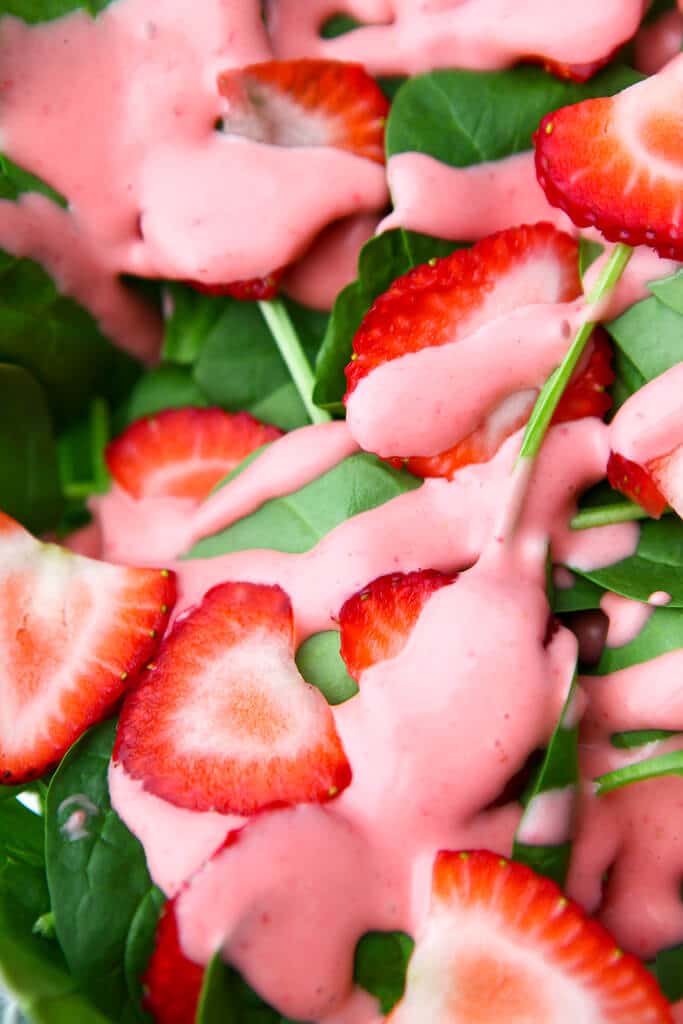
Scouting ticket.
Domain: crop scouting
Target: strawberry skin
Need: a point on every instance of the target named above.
(223, 721)
(615, 163)
(306, 103)
(255, 289)
(503, 944)
(184, 453)
(637, 483)
(442, 301)
(172, 983)
(73, 632)
(376, 622)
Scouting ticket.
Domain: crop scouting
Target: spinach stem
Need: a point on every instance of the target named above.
(287, 340)
(554, 387)
(606, 515)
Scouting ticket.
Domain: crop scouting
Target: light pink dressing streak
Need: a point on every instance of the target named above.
(156, 190)
(411, 36)
(626, 618)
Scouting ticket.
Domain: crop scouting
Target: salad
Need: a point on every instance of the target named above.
(341, 467)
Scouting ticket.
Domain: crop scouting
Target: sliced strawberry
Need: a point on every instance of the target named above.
(306, 103)
(615, 163)
(172, 983)
(223, 721)
(183, 453)
(445, 300)
(256, 289)
(377, 621)
(504, 944)
(73, 632)
(637, 483)
(577, 72)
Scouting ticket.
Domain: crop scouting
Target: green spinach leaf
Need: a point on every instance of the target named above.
(98, 877)
(656, 565)
(14, 180)
(34, 11)
(57, 341)
(320, 663)
(296, 522)
(650, 335)
(168, 386)
(29, 475)
(227, 999)
(22, 834)
(663, 632)
(467, 117)
(669, 290)
(381, 261)
(380, 965)
(239, 365)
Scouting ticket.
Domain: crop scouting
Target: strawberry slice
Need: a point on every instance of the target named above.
(306, 103)
(641, 484)
(223, 721)
(504, 944)
(616, 163)
(184, 453)
(172, 983)
(445, 300)
(73, 631)
(376, 622)
(255, 289)
(586, 395)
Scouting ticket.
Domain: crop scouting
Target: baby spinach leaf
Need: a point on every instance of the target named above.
(296, 522)
(32, 969)
(34, 11)
(191, 315)
(581, 596)
(239, 365)
(669, 290)
(559, 771)
(663, 632)
(650, 334)
(321, 664)
(467, 117)
(627, 380)
(589, 251)
(57, 341)
(656, 565)
(639, 737)
(99, 880)
(380, 965)
(168, 386)
(651, 768)
(22, 834)
(14, 180)
(668, 968)
(29, 477)
(227, 999)
(338, 25)
(140, 943)
(381, 261)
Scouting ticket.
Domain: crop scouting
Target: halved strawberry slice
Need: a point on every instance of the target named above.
(639, 483)
(73, 632)
(504, 944)
(306, 103)
(376, 622)
(617, 163)
(223, 721)
(172, 983)
(445, 300)
(255, 289)
(183, 453)
(586, 395)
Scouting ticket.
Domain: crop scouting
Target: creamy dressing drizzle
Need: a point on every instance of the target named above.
(434, 734)
(411, 36)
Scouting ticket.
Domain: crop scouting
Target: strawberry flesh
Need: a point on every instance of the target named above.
(504, 944)
(636, 483)
(184, 453)
(223, 721)
(306, 103)
(615, 163)
(172, 983)
(376, 622)
(73, 632)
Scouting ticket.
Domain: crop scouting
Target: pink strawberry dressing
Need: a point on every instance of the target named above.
(409, 36)
(156, 190)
